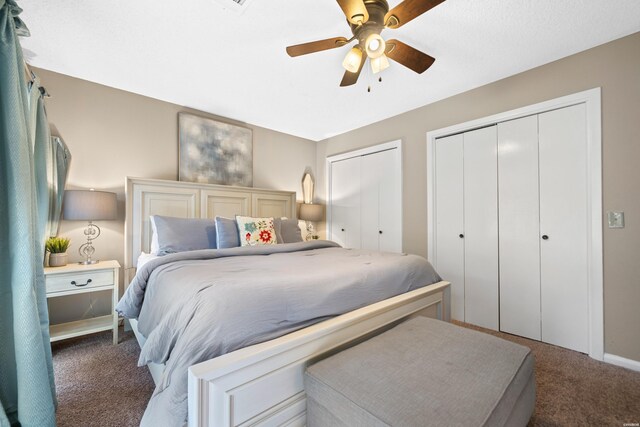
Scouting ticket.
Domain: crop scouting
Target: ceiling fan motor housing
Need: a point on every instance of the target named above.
(377, 10)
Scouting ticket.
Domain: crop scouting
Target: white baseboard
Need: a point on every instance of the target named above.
(621, 361)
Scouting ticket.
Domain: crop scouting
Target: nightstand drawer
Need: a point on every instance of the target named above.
(73, 281)
(99, 277)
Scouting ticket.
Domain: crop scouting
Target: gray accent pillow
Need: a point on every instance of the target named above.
(183, 234)
(288, 231)
(277, 225)
(227, 231)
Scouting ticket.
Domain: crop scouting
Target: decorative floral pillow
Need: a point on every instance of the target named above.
(256, 231)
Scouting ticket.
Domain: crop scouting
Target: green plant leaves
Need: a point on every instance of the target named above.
(57, 245)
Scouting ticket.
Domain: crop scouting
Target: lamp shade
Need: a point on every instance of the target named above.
(89, 205)
(309, 212)
(353, 59)
(380, 63)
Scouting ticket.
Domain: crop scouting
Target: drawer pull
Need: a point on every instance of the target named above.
(74, 283)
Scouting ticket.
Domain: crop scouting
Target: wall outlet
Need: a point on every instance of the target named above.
(616, 219)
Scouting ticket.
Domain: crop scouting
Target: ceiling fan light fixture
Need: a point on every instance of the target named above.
(367, 19)
(353, 59)
(375, 46)
(380, 63)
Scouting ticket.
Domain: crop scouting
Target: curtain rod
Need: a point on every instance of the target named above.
(31, 76)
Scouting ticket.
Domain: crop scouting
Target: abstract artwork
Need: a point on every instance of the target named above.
(214, 152)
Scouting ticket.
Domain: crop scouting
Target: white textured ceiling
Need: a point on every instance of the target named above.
(198, 54)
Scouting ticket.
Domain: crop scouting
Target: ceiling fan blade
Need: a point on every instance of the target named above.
(351, 78)
(355, 11)
(317, 46)
(408, 10)
(408, 56)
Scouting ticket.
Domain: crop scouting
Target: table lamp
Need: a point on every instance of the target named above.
(310, 213)
(89, 205)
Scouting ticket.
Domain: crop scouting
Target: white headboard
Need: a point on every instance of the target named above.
(147, 197)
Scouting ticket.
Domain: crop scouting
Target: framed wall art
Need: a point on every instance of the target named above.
(214, 152)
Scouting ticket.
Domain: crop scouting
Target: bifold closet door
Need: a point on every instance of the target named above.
(563, 226)
(390, 206)
(481, 227)
(380, 202)
(519, 227)
(450, 218)
(345, 202)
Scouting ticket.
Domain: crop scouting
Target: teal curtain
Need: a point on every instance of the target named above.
(27, 390)
(58, 161)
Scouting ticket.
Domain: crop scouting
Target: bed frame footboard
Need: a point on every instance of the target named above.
(262, 385)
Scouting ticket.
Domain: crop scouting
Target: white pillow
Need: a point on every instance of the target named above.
(145, 258)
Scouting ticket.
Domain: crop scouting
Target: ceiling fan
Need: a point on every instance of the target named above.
(367, 19)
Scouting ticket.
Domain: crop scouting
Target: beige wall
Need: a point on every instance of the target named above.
(113, 134)
(616, 68)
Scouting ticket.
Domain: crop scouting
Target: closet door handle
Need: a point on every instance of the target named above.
(379, 231)
(342, 229)
(461, 236)
(545, 237)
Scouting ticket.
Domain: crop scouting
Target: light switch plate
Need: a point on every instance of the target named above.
(616, 219)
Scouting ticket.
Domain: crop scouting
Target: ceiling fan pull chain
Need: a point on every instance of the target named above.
(369, 87)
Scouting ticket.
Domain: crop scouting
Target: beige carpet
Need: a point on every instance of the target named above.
(574, 390)
(99, 384)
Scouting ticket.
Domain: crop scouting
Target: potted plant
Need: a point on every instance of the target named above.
(57, 248)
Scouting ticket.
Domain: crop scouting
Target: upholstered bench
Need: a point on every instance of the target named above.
(423, 372)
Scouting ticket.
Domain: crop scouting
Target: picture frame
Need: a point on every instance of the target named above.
(214, 152)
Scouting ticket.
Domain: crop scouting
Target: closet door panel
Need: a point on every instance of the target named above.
(372, 172)
(389, 200)
(345, 202)
(481, 227)
(449, 218)
(563, 219)
(519, 238)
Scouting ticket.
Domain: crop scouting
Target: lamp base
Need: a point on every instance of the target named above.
(87, 250)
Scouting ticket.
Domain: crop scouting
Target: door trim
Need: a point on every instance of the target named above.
(391, 145)
(592, 100)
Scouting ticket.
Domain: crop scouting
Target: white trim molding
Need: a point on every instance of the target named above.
(634, 365)
(366, 150)
(592, 100)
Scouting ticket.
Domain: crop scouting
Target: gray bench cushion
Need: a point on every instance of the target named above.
(423, 372)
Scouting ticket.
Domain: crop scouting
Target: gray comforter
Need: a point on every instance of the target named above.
(194, 306)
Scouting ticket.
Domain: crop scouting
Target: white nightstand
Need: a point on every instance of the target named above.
(74, 279)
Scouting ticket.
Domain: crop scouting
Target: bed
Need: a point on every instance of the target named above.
(255, 379)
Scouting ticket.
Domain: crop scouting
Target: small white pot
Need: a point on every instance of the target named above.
(58, 260)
